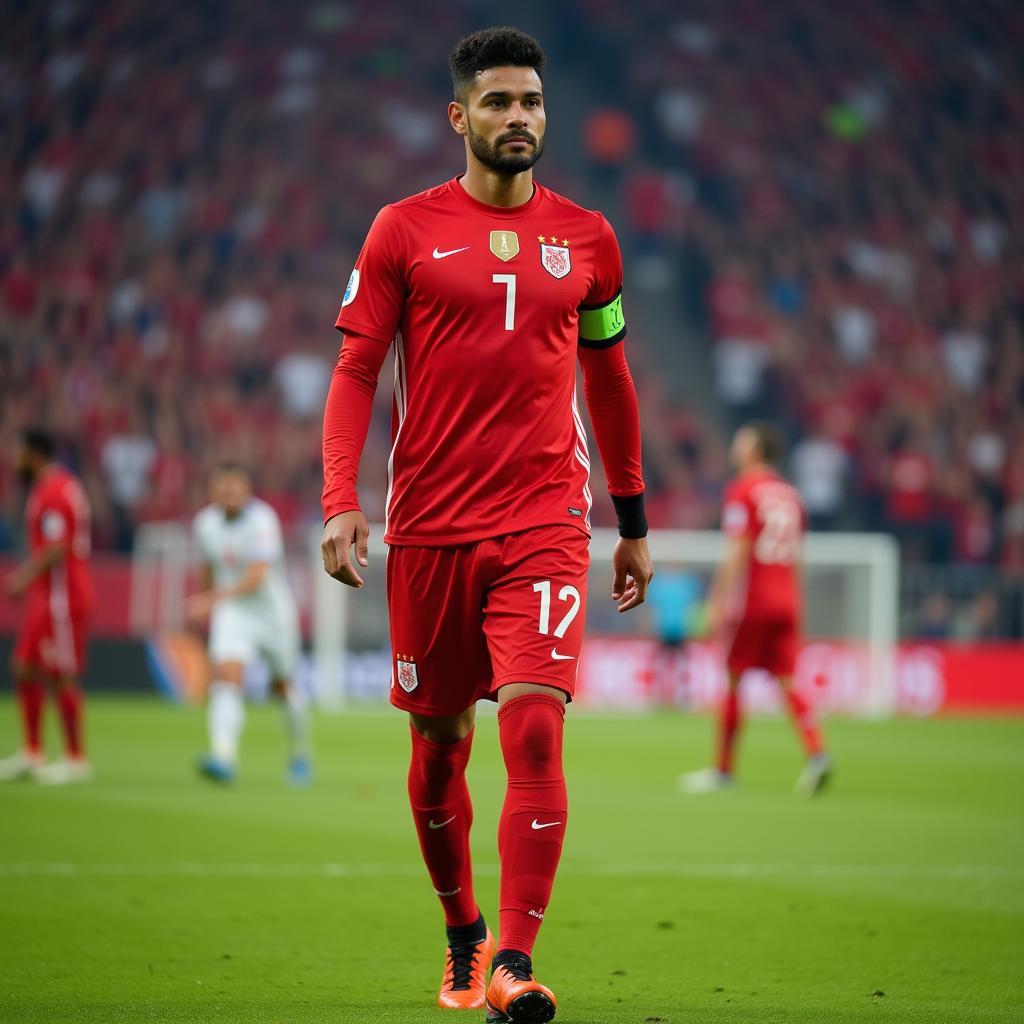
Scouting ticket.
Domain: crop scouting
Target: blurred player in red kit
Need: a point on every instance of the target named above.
(57, 591)
(755, 601)
(494, 288)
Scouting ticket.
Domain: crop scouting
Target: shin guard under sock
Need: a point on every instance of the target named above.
(533, 819)
(32, 699)
(728, 729)
(805, 722)
(443, 814)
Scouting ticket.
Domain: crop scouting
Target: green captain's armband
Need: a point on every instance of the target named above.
(602, 326)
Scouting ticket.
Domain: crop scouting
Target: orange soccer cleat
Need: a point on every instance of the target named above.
(513, 997)
(465, 973)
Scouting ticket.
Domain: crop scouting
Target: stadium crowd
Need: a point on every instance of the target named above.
(835, 197)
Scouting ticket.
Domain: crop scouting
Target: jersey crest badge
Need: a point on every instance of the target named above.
(555, 258)
(408, 680)
(504, 244)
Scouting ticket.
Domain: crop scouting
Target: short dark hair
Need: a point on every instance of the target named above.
(232, 466)
(40, 441)
(492, 48)
(769, 440)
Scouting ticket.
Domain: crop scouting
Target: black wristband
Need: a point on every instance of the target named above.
(631, 515)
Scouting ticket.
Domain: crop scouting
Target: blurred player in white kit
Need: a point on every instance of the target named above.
(252, 614)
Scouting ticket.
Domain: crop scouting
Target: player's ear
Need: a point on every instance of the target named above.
(457, 117)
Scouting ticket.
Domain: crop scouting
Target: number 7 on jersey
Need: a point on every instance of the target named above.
(509, 281)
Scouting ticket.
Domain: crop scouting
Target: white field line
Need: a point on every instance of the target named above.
(194, 869)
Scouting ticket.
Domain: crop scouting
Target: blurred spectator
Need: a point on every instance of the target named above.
(855, 330)
(740, 367)
(975, 533)
(303, 378)
(127, 457)
(910, 482)
(609, 135)
(978, 619)
(935, 618)
(966, 353)
(820, 469)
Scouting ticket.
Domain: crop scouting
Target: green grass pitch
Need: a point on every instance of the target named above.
(149, 896)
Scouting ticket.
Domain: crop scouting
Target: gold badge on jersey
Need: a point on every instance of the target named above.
(504, 244)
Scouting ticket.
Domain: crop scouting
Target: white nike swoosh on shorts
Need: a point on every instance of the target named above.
(549, 824)
(561, 657)
(438, 255)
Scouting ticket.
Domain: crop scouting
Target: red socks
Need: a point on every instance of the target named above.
(69, 703)
(443, 813)
(532, 826)
(805, 722)
(729, 726)
(31, 698)
(533, 818)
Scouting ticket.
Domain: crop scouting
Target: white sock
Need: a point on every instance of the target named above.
(225, 716)
(295, 708)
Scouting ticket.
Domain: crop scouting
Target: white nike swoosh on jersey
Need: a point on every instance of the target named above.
(561, 657)
(443, 823)
(549, 824)
(438, 255)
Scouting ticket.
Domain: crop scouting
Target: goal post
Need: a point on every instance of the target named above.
(851, 590)
(851, 584)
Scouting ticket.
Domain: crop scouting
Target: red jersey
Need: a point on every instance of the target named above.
(57, 511)
(909, 500)
(487, 306)
(762, 506)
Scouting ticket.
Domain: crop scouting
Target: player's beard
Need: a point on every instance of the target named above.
(505, 163)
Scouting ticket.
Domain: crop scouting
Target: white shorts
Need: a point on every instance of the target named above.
(241, 634)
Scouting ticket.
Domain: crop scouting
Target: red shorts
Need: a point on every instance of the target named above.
(768, 644)
(466, 620)
(52, 638)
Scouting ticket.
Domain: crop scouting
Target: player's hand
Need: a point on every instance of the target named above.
(717, 618)
(198, 607)
(631, 563)
(341, 532)
(15, 585)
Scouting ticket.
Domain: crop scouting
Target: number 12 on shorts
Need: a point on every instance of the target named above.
(567, 595)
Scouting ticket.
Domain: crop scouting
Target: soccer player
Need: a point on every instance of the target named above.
(755, 601)
(252, 614)
(493, 287)
(55, 581)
